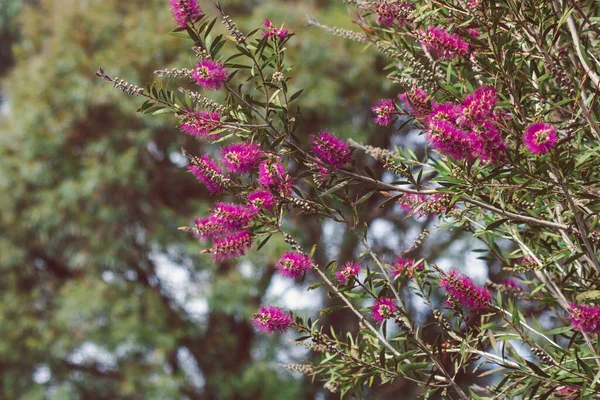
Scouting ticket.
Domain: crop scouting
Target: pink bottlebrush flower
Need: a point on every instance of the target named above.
(234, 216)
(241, 157)
(462, 289)
(293, 265)
(273, 32)
(350, 269)
(445, 134)
(501, 116)
(232, 245)
(540, 138)
(478, 106)
(392, 12)
(449, 139)
(444, 44)
(185, 11)
(200, 124)
(272, 320)
(209, 74)
(409, 202)
(383, 309)
(489, 144)
(272, 175)
(209, 227)
(444, 112)
(585, 318)
(271, 172)
(262, 199)
(384, 110)
(510, 283)
(415, 101)
(207, 171)
(404, 264)
(323, 172)
(330, 149)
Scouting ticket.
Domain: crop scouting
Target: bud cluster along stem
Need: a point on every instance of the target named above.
(499, 141)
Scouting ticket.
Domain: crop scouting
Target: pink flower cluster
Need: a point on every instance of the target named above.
(540, 138)
(478, 107)
(234, 216)
(443, 44)
(409, 202)
(415, 101)
(461, 289)
(585, 318)
(272, 176)
(185, 11)
(405, 265)
(238, 158)
(227, 226)
(449, 139)
(330, 149)
(391, 12)
(209, 74)
(384, 308)
(262, 199)
(231, 246)
(273, 32)
(225, 218)
(270, 319)
(293, 264)
(208, 172)
(200, 124)
(384, 111)
(241, 157)
(469, 129)
(510, 284)
(349, 270)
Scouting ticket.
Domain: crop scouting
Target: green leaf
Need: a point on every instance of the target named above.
(314, 286)
(365, 197)
(536, 369)
(331, 310)
(296, 95)
(591, 294)
(264, 242)
(496, 224)
(335, 188)
(586, 368)
(558, 331)
(390, 200)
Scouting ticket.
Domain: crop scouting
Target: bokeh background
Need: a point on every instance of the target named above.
(101, 296)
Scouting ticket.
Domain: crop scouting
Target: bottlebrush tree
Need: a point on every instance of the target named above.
(505, 94)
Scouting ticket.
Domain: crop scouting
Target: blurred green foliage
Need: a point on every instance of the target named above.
(92, 196)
